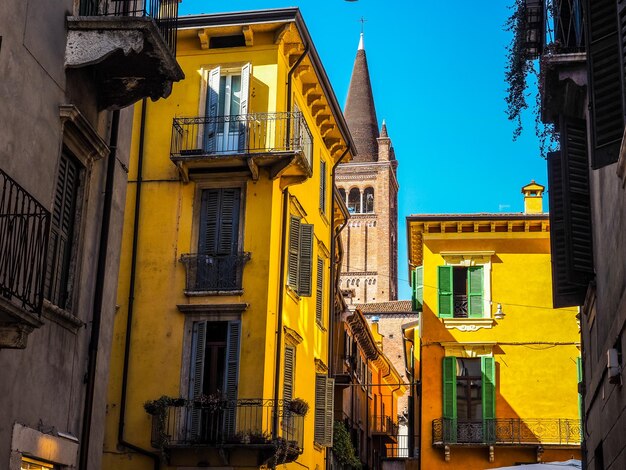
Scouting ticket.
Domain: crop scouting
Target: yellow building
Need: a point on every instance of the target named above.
(498, 365)
(226, 274)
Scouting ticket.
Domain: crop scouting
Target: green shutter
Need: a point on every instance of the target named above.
(319, 300)
(196, 377)
(488, 369)
(579, 372)
(417, 281)
(330, 412)
(231, 375)
(290, 359)
(449, 399)
(294, 249)
(320, 408)
(475, 280)
(305, 264)
(446, 301)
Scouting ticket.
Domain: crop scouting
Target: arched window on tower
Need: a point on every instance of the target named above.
(342, 192)
(368, 200)
(354, 201)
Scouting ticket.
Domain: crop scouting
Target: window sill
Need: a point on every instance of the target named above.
(324, 217)
(61, 316)
(320, 326)
(292, 293)
(468, 324)
(208, 293)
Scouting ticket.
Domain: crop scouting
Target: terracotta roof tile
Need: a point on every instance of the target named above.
(394, 306)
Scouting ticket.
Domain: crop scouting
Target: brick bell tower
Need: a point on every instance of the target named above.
(369, 187)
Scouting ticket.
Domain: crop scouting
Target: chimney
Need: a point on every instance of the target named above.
(533, 198)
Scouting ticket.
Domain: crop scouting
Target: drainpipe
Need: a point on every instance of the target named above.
(281, 278)
(411, 436)
(131, 297)
(98, 299)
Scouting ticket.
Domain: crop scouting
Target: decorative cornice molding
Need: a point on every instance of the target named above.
(468, 324)
(212, 308)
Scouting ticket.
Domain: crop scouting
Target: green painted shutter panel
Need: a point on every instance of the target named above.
(604, 78)
(290, 359)
(212, 100)
(488, 369)
(323, 186)
(294, 250)
(196, 377)
(446, 300)
(330, 412)
(319, 300)
(475, 281)
(417, 278)
(231, 375)
(320, 408)
(305, 274)
(449, 399)
(579, 374)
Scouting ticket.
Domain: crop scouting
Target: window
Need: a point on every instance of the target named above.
(32, 464)
(323, 186)
(368, 200)
(469, 399)
(319, 300)
(219, 260)
(461, 291)
(300, 269)
(62, 224)
(354, 201)
(342, 193)
(324, 410)
(214, 370)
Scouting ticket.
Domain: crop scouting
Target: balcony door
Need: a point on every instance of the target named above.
(226, 110)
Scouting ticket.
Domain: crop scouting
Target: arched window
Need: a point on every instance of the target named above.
(343, 194)
(368, 200)
(354, 201)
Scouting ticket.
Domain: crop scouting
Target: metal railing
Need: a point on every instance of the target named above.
(214, 272)
(164, 13)
(509, 431)
(384, 425)
(554, 24)
(24, 227)
(400, 448)
(229, 423)
(254, 133)
(461, 308)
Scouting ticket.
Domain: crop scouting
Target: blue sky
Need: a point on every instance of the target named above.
(437, 71)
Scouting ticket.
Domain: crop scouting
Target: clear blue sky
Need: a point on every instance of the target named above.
(437, 71)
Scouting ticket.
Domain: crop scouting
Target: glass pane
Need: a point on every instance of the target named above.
(235, 95)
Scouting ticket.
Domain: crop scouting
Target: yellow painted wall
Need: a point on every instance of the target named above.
(535, 346)
(167, 229)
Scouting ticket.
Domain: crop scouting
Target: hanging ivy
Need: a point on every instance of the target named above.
(343, 448)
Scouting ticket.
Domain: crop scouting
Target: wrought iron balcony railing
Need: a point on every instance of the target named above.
(384, 425)
(214, 272)
(229, 423)
(507, 431)
(24, 227)
(242, 134)
(400, 448)
(558, 24)
(461, 307)
(164, 13)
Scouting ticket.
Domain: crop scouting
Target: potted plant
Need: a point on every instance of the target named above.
(298, 406)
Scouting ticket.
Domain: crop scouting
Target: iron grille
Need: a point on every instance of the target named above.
(214, 272)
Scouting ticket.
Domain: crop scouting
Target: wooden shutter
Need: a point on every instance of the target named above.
(228, 226)
(196, 377)
(319, 300)
(323, 186)
(488, 370)
(320, 408)
(212, 100)
(579, 375)
(243, 105)
(305, 264)
(231, 375)
(604, 76)
(446, 300)
(294, 249)
(417, 281)
(290, 359)
(475, 281)
(449, 398)
(330, 412)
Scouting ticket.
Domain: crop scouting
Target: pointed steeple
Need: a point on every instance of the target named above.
(360, 112)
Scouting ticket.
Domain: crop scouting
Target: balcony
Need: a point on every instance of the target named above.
(235, 425)
(280, 142)
(385, 427)
(24, 227)
(129, 46)
(214, 274)
(507, 431)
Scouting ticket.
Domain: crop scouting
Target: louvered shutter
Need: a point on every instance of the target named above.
(320, 408)
(290, 358)
(446, 300)
(323, 186)
(579, 376)
(196, 377)
(449, 398)
(319, 300)
(475, 281)
(305, 265)
(243, 106)
(417, 280)
(209, 219)
(228, 221)
(488, 370)
(604, 76)
(212, 100)
(330, 412)
(294, 250)
(231, 376)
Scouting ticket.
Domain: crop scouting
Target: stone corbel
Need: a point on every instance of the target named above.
(322, 118)
(326, 128)
(301, 70)
(317, 108)
(492, 456)
(312, 98)
(446, 453)
(248, 34)
(203, 36)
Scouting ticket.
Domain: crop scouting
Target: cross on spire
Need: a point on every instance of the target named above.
(362, 21)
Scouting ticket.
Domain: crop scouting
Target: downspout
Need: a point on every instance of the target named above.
(131, 298)
(98, 297)
(281, 276)
(411, 437)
